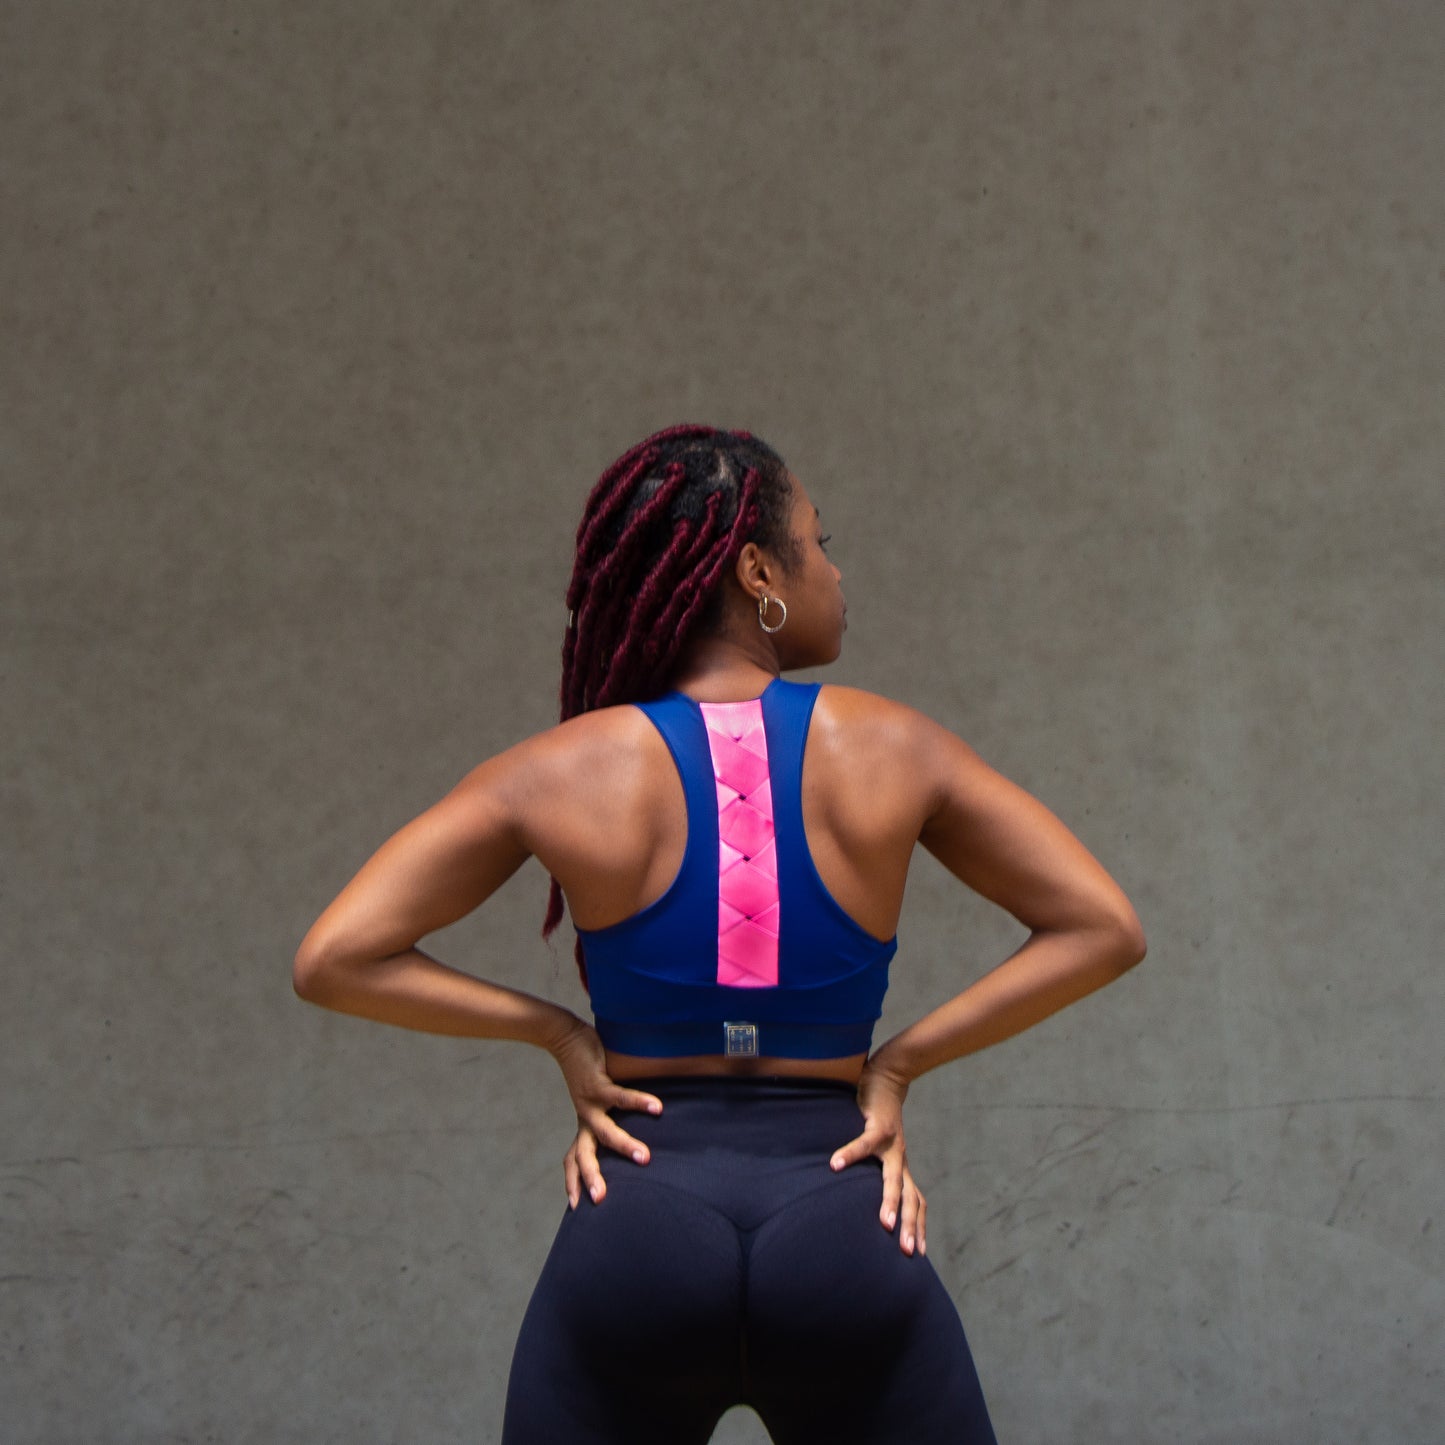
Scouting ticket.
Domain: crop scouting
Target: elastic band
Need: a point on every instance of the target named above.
(650, 1083)
(654, 1040)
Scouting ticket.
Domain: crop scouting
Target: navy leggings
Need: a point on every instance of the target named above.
(737, 1268)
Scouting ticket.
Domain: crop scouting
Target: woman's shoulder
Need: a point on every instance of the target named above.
(875, 736)
(589, 740)
(857, 734)
(858, 710)
(600, 762)
(610, 741)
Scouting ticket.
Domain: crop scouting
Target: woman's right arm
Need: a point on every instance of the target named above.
(1007, 846)
(1083, 933)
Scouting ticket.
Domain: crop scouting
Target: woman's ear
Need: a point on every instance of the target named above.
(754, 568)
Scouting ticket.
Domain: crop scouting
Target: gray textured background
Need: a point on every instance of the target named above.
(1108, 337)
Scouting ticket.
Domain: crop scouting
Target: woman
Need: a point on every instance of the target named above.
(733, 848)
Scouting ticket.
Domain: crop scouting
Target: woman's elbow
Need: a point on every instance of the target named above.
(1131, 945)
(314, 972)
(305, 975)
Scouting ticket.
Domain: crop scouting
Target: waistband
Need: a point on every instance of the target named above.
(713, 1086)
(736, 1038)
(755, 1115)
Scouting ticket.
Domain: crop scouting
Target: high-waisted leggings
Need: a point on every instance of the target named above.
(736, 1268)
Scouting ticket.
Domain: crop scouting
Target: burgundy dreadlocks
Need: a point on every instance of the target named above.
(659, 531)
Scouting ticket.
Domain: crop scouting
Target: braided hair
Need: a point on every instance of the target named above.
(659, 532)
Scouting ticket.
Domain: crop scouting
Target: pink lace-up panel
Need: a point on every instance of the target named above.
(747, 925)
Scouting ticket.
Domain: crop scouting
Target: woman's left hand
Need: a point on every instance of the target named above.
(881, 1096)
(583, 1060)
(580, 1168)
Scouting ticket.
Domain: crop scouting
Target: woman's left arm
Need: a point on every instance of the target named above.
(361, 956)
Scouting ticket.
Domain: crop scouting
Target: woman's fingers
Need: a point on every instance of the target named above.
(582, 1164)
(588, 1170)
(892, 1189)
(911, 1226)
(635, 1099)
(572, 1175)
(868, 1142)
(613, 1136)
(902, 1201)
(610, 1135)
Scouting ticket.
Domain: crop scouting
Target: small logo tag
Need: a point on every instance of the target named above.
(741, 1040)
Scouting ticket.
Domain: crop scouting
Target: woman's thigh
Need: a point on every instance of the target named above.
(850, 1340)
(632, 1332)
(734, 1268)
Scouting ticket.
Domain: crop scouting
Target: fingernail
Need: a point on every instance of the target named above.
(892, 1218)
(654, 1107)
(908, 1243)
(835, 1162)
(572, 1201)
(638, 1157)
(595, 1192)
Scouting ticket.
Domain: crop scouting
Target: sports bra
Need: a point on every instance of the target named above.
(747, 952)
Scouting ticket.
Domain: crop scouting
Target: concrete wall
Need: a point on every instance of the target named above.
(1109, 338)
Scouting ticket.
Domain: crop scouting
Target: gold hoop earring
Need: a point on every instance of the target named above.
(763, 607)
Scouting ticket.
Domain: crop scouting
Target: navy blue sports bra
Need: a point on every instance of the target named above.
(747, 952)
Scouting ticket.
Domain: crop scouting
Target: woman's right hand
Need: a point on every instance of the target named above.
(881, 1093)
(583, 1061)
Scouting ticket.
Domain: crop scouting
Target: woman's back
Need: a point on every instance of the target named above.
(609, 819)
